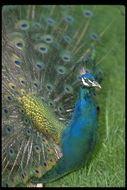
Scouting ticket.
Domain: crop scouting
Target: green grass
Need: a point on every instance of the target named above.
(107, 167)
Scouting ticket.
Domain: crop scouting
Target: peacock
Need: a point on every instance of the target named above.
(50, 78)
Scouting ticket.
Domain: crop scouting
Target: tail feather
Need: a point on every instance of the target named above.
(58, 171)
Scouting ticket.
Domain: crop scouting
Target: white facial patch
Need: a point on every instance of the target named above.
(83, 81)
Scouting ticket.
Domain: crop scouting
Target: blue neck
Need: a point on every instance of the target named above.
(84, 104)
(85, 100)
(85, 93)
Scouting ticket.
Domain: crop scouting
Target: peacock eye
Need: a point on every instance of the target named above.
(86, 80)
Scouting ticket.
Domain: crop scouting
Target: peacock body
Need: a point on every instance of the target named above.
(49, 114)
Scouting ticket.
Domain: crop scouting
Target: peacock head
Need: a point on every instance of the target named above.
(88, 79)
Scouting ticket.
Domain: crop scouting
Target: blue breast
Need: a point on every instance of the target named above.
(79, 137)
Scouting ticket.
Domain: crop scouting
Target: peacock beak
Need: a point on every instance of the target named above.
(96, 84)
